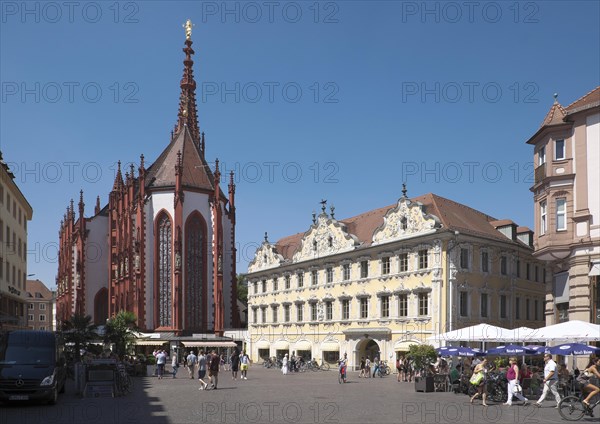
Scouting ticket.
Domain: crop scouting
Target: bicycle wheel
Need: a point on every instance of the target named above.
(325, 366)
(571, 408)
(314, 367)
(340, 377)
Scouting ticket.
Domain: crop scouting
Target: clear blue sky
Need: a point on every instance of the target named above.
(440, 95)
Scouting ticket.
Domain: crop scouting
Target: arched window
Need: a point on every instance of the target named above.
(195, 264)
(164, 274)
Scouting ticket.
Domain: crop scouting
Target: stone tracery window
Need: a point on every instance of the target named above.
(194, 272)
(164, 256)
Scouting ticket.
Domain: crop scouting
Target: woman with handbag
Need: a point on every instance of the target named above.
(514, 388)
(478, 379)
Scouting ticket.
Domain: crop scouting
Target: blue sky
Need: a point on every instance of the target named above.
(342, 100)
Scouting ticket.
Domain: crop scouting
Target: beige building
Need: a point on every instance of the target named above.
(40, 306)
(374, 284)
(566, 194)
(15, 211)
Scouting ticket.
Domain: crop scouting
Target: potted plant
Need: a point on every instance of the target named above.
(421, 357)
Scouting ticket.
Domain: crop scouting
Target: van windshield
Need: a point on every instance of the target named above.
(26, 355)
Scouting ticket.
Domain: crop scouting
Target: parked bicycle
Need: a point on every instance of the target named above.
(497, 387)
(123, 381)
(572, 408)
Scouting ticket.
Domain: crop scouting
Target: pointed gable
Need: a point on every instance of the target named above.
(196, 172)
(407, 219)
(266, 257)
(327, 236)
(555, 115)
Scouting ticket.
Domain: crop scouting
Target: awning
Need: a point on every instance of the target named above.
(403, 346)
(281, 345)
(595, 269)
(262, 344)
(209, 344)
(150, 342)
(330, 346)
(303, 345)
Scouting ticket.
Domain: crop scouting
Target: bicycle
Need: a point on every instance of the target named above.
(123, 381)
(572, 408)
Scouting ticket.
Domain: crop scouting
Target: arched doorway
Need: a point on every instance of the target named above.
(101, 306)
(367, 348)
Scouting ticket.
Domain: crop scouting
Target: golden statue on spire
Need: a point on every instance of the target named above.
(188, 29)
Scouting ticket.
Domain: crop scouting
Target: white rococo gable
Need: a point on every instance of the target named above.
(405, 220)
(266, 257)
(326, 236)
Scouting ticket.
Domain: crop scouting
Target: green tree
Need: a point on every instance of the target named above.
(242, 288)
(78, 332)
(119, 330)
(422, 355)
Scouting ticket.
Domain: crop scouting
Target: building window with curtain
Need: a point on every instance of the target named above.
(346, 309)
(385, 306)
(423, 304)
(403, 305)
(329, 310)
(561, 214)
(403, 262)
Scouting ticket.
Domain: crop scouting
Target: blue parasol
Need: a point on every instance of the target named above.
(573, 349)
(459, 351)
(512, 350)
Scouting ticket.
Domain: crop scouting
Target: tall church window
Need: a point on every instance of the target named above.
(165, 298)
(194, 272)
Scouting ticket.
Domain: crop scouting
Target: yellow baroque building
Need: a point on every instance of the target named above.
(374, 284)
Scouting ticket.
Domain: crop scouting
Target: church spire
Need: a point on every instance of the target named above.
(188, 115)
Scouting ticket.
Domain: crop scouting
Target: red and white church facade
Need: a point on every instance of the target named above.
(164, 245)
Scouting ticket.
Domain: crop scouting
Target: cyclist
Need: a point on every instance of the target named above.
(593, 368)
(342, 366)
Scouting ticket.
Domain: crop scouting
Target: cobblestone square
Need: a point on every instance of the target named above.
(270, 397)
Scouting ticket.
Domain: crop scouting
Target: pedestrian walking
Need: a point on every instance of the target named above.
(512, 375)
(362, 367)
(284, 364)
(478, 379)
(550, 381)
(202, 369)
(175, 365)
(214, 364)
(161, 360)
(367, 367)
(192, 360)
(244, 364)
(234, 360)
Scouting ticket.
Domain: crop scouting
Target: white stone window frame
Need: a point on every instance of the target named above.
(556, 150)
(287, 281)
(342, 299)
(489, 253)
(488, 304)
(408, 253)
(398, 293)
(543, 206)
(417, 256)
(506, 256)
(417, 292)
(347, 264)
(466, 291)
(382, 256)
(562, 213)
(469, 248)
(360, 261)
(299, 308)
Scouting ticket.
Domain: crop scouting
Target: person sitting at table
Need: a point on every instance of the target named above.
(563, 371)
(524, 372)
(455, 375)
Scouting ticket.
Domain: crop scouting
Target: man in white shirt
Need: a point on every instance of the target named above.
(550, 381)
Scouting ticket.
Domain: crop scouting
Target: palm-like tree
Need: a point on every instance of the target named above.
(79, 330)
(119, 330)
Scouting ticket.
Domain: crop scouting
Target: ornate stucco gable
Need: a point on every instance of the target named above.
(326, 236)
(405, 220)
(266, 257)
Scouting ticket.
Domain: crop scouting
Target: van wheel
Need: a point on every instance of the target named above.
(54, 398)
